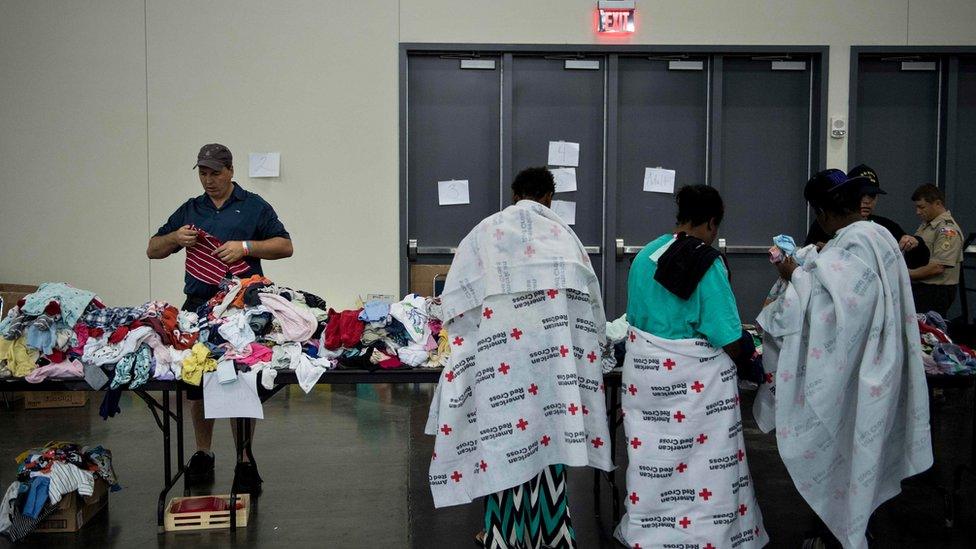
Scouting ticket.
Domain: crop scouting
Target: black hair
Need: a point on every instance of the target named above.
(699, 204)
(533, 183)
(929, 193)
(829, 191)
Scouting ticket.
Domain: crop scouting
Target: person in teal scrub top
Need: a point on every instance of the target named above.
(708, 310)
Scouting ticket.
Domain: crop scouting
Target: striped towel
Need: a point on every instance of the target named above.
(202, 265)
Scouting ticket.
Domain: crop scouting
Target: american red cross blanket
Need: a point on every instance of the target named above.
(688, 481)
(524, 387)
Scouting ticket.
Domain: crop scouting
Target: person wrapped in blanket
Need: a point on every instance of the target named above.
(522, 396)
(681, 399)
(845, 386)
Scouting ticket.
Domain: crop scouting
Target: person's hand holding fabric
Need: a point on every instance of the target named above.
(230, 252)
(786, 268)
(907, 243)
(185, 237)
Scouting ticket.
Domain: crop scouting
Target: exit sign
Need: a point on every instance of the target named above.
(616, 16)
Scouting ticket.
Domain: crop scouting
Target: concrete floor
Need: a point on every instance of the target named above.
(346, 466)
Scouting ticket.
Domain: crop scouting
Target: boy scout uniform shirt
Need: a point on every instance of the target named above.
(944, 238)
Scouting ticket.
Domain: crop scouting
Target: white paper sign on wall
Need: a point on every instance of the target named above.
(658, 180)
(453, 193)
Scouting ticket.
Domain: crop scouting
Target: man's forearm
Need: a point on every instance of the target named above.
(926, 271)
(161, 246)
(272, 248)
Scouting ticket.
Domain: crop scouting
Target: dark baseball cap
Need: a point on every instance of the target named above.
(214, 156)
(866, 177)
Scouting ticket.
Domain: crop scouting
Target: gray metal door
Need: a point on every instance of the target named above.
(897, 129)
(961, 176)
(552, 101)
(761, 161)
(453, 116)
(661, 121)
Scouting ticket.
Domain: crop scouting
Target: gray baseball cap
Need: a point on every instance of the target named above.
(214, 156)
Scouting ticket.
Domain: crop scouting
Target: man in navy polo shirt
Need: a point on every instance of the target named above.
(250, 231)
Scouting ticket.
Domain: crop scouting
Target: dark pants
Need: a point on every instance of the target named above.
(934, 297)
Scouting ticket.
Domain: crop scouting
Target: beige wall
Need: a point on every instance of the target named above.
(103, 105)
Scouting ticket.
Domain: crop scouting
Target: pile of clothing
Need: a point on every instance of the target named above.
(252, 324)
(381, 335)
(939, 354)
(45, 476)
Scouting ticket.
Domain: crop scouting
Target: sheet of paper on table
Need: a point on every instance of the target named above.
(228, 400)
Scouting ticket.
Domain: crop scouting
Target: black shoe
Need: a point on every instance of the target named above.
(247, 480)
(201, 468)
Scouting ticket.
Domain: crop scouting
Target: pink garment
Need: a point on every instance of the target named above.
(81, 334)
(297, 324)
(259, 353)
(71, 369)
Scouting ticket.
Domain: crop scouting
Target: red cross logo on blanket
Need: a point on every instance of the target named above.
(637, 546)
(702, 438)
(457, 476)
(545, 440)
(552, 293)
(632, 390)
(597, 442)
(504, 368)
(709, 546)
(786, 376)
(682, 467)
(449, 375)
(740, 454)
(816, 353)
(679, 417)
(529, 251)
(635, 443)
(697, 386)
(522, 424)
(634, 498)
(586, 411)
(705, 494)
(769, 377)
(487, 313)
(534, 389)
(633, 337)
(669, 364)
(563, 351)
(499, 234)
(446, 429)
(555, 231)
(743, 509)
(516, 334)
(685, 522)
(483, 466)
(572, 408)
(591, 357)
(757, 530)
(458, 340)
(876, 391)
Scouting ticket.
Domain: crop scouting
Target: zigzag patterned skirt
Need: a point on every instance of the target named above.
(532, 515)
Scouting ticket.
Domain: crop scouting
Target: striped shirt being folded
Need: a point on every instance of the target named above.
(203, 265)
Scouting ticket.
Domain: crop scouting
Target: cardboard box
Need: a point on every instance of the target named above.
(54, 399)
(74, 511)
(12, 293)
(424, 278)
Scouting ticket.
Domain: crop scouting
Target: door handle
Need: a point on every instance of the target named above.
(623, 250)
(725, 248)
(414, 250)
